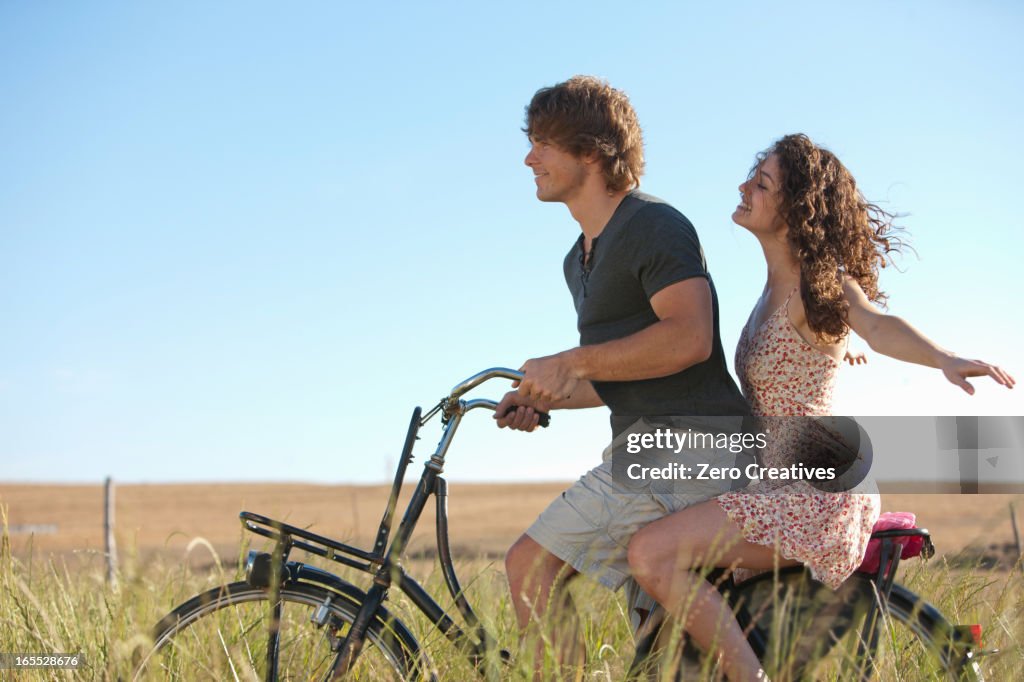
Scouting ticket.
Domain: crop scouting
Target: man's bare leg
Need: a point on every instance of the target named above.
(544, 609)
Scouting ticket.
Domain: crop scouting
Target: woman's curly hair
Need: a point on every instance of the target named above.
(833, 231)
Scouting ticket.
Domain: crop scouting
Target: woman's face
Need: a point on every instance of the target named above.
(758, 210)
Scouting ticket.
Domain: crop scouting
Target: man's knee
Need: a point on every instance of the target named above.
(523, 554)
(515, 555)
(528, 559)
(642, 555)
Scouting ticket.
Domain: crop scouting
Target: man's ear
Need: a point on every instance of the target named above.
(592, 163)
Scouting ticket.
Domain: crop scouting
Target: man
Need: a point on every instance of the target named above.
(649, 344)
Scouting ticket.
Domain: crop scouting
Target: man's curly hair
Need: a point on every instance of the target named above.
(586, 115)
(833, 231)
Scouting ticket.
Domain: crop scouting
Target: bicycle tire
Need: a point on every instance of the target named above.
(794, 634)
(222, 634)
(941, 642)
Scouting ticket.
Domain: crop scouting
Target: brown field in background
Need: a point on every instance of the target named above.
(485, 519)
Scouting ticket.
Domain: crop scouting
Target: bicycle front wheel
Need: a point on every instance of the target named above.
(228, 632)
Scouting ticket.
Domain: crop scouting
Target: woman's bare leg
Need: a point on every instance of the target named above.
(662, 556)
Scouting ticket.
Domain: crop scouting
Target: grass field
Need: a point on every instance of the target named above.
(176, 540)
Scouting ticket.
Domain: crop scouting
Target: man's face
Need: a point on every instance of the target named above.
(558, 174)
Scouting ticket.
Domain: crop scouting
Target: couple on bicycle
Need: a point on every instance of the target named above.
(649, 346)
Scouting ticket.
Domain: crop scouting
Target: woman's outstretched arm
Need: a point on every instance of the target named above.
(895, 337)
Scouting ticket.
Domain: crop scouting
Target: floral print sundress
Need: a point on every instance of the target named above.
(784, 376)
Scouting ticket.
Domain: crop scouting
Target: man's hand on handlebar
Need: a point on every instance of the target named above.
(549, 379)
(519, 413)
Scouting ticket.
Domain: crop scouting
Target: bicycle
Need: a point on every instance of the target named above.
(290, 620)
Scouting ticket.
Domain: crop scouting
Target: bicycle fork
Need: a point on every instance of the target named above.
(352, 644)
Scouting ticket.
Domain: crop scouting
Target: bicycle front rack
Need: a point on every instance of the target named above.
(289, 537)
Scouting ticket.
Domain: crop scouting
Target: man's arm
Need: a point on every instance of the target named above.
(681, 338)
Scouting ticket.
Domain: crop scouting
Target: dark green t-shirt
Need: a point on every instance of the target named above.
(646, 246)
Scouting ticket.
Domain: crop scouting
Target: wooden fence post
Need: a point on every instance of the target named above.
(1016, 536)
(110, 547)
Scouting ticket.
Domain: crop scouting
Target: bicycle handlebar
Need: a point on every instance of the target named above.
(472, 382)
(480, 377)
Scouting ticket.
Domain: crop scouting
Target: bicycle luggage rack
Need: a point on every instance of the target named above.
(300, 538)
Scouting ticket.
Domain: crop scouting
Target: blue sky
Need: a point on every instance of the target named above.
(243, 240)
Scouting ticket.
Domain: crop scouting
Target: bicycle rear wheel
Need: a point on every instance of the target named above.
(804, 630)
(225, 634)
(794, 621)
(916, 637)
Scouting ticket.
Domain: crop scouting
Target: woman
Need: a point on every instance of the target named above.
(823, 245)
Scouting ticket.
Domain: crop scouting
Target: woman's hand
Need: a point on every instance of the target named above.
(957, 369)
(855, 357)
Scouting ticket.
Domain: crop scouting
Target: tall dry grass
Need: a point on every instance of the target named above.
(50, 605)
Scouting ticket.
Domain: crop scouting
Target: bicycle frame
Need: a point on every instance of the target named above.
(384, 560)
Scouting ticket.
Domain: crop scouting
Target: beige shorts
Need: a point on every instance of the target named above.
(590, 524)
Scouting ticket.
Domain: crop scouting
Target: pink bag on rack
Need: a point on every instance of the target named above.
(911, 544)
